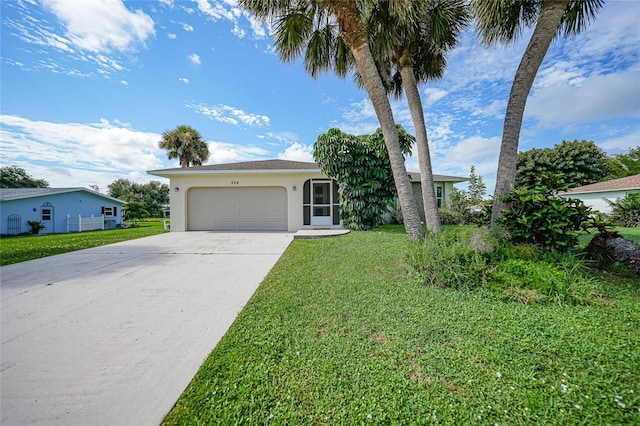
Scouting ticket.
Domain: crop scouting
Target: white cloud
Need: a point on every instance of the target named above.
(124, 82)
(599, 97)
(188, 28)
(231, 115)
(194, 59)
(184, 80)
(168, 3)
(432, 95)
(297, 152)
(172, 36)
(221, 152)
(474, 148)
(102, 25)
(82, 150)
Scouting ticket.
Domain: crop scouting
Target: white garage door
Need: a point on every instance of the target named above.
(237, 209)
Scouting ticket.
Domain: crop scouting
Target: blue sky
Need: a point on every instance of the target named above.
(88, 87)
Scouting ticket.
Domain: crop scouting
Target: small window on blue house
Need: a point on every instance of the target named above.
(439, 193)
(109, 211)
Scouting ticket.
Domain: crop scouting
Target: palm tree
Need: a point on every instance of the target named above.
(327, 29)
(502, 21)
(185, 143)
(410, 43)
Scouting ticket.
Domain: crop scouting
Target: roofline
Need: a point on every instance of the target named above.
(58, 191)
(595, 191)
(186, 171)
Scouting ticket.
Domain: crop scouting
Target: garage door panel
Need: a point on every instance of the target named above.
(234, 209)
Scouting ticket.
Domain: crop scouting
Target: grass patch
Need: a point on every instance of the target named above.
(27, 247)
(339, 333)
(632, 234)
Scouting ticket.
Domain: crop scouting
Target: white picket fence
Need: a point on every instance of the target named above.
(80, 223)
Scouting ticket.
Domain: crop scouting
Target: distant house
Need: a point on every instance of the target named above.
(443, 186)
(267, 195)
(597, 194)
(53, 206)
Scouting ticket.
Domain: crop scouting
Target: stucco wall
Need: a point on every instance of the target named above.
(447, 187)
(238, 180)
(597, 200)
(70, 203)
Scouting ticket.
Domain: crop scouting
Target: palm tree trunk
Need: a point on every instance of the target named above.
(548, 22)
(355, 37)
(431, 215)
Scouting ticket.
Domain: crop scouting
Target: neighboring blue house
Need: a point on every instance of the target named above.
(58, 209)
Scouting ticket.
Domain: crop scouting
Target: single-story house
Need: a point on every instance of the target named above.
(597, 194)
(267, 195)
(53, 206)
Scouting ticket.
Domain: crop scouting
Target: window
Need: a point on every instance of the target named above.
(439, 195)
(46, 214)
(109, 211)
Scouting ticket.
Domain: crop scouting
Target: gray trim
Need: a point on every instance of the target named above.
(9, 194)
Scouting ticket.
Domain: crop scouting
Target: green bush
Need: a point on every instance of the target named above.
(626, 212)
(539, 216)
(514, 272)
(451, 260)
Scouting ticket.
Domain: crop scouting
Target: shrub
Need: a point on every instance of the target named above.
(626, 212)
(451, 260)
(539, 216)
(515, 272)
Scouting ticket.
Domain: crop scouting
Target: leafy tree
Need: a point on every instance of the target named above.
(17, 177)
(623, 165)
(626, 211)
(360, 165)
(409, 44)
(477, 189)
(581, 163)
(502, 21)
(333, 36)
(539, 216)
(134, 210)
(185, 143)
(152, 195)
(462, 207)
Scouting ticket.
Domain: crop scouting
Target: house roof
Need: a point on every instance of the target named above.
(261, 165)
(622, 184)
(8, 194)
(415, 177)
(272, 166)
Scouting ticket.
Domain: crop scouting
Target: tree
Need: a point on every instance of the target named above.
(502, 21)
(153, 195)
(580, 162)
(17, 177)
(310, 26)
(185, 143)
(360, 165)
(409, 44)
(623, 165)
(476, 189)
(134, 210)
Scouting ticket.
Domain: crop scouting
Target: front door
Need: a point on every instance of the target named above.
(321, 203)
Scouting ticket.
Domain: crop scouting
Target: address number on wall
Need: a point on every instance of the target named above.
(235, 182)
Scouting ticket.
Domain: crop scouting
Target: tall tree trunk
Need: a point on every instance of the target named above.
(354, 35)
(431, 215)
(548, 22)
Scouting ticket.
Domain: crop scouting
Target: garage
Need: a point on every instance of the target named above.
(237, 209)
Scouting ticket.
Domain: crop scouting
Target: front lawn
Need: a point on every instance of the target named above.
(340, 333)
(27, 247)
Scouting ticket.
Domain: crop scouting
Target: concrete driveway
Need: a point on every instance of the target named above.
(112, 335)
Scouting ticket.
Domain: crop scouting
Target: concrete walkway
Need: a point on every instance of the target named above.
(112, 335)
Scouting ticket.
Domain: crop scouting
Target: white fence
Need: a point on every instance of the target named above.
(80, 223)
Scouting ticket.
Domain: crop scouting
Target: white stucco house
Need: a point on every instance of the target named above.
(267, 195)
(597, 194)
(53, 207)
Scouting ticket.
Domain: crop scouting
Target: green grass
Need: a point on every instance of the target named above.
(20, 248)
(632, 234)
(338, 333)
